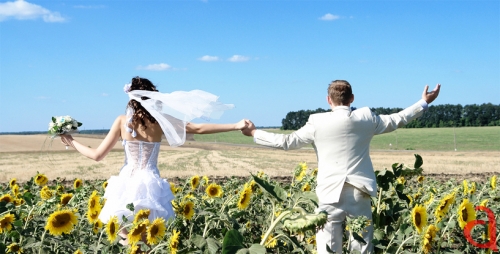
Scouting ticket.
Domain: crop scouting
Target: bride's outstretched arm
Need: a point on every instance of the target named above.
(103, 149)
(207, 128)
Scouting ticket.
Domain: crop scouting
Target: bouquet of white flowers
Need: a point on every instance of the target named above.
(63, 125)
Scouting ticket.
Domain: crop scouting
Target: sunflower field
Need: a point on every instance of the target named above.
(411, 214)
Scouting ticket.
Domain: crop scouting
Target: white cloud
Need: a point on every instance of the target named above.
(21, 10)
(208, 58)
(104, 95)
(238, 58)
(89, 6)
(329, 17)
(155, 67)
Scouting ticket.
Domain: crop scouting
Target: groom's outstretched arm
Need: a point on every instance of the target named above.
(294, 140)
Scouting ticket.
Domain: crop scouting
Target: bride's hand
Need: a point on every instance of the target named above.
(66, 139)
(241, 125)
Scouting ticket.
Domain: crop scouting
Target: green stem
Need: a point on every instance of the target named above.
(282, 215)
(41, 242)
(28, 217)
(97, 244)
(444, 231)
(403, 243)
(390, 242)
(378, 208)
(206, 227)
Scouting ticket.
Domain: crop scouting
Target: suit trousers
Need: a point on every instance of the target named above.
(352, 203)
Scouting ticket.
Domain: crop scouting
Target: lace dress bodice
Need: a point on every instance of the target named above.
(141, 155)
(139, 183)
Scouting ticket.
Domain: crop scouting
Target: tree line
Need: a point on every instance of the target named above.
(446, 115)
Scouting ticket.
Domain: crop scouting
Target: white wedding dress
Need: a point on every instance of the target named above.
(138, 183)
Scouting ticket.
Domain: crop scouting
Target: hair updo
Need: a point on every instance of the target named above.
(140, 113)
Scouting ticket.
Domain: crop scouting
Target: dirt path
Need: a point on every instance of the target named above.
(20, 157)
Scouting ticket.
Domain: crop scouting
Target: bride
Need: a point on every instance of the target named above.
(150, 115)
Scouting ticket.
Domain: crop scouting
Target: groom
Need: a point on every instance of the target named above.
(341, 140)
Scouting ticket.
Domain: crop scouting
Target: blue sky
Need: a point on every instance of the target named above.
(266, 57)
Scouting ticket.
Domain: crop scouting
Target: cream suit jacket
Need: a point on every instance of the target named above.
(341, 139)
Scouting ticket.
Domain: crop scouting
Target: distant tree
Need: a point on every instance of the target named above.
(446, 115)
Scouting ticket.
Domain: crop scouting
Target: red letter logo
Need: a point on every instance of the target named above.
(491, 244)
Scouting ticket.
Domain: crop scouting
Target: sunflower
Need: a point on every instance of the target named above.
(261, 174)
(466, 187)
(429, 237)
(134, 249)
(195, 181)
(97, 226)
(187, 209)
(244, 200)
(6, 222)
(18, 201)
(420, 179)
(409, 198)
(444, 205)
(419, 217)
(12, 182)
(94, 207)
(105, 184)
(205, 180)
(60, 189)
(401, 180)
(46, 193)
(271, 242)
(466, 213)
(484, 202)
(214, 190)
(14, 248)
(173, 188)
(135, 233)
(311, 240)
(77, 183)
(143, 214)
(302, 173)
(61, 222)
(65, 198)
(41, 179)
(303, 166)
(431, 198)
(156, 231)
(252, 185)
(174, 241)
(306, 187)
(112, 229)
(78, 252)
(314, 172)
(472, 188)
(493, 182)
(7, 198)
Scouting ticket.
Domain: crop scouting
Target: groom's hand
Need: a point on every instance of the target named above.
(432, 95)
(249, 130)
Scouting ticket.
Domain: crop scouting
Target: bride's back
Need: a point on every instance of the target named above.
(151, 132)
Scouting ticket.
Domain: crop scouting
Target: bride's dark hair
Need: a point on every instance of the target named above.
(140, 113)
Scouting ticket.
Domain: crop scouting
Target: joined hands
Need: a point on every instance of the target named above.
(249, 128)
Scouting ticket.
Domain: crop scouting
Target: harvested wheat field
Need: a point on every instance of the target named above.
(22, 156)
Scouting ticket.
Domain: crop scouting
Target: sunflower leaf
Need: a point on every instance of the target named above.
(213, 246)
(233, 241)
(418, 161)
(275, 190)
(257, 249)
(199, 241)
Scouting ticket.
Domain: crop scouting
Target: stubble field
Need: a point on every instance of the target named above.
(22, 156)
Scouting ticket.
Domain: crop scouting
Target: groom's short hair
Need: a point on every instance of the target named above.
(340, 92)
